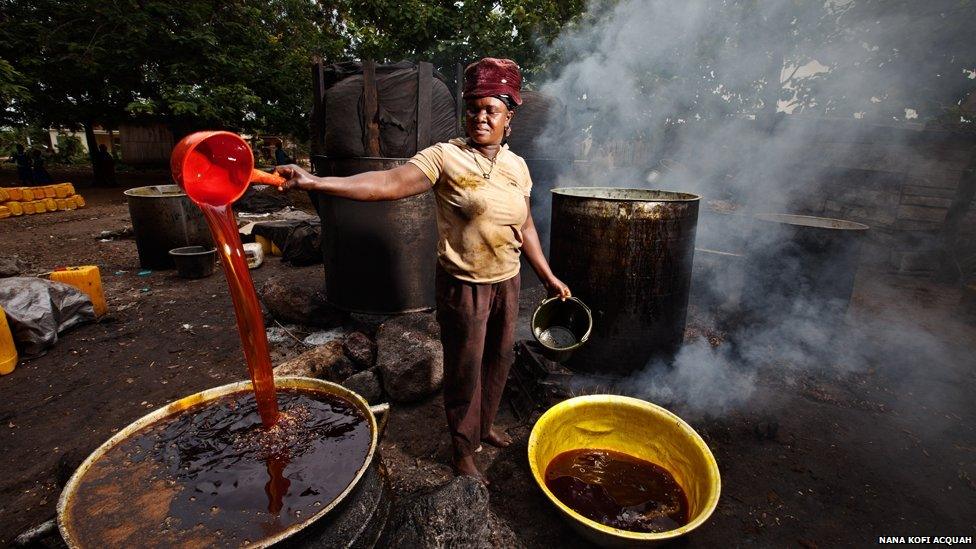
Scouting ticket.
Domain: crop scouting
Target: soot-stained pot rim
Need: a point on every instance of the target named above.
(625, 194)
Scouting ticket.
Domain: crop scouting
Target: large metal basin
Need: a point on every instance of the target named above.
(627, 254)
(303, 533)
(379, 257)
(163, 218)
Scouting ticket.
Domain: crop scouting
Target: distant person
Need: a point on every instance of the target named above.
(281, 158)
(104, 167)
(23, 161)
(41, 177)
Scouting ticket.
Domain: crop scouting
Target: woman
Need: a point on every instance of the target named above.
(484, 222)
(39, 172)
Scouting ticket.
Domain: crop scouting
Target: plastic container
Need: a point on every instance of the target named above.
(79, 201)
(8, 352)
(28, 207)
(15, 208)
(51, 204)
(28, 194)
(636, 428)
(4, 212)
(49, 192)
(254, 253)
(561, 326)
(267, 245)
(194, 261)
(87, 279)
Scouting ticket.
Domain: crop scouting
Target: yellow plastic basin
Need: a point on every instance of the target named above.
(640, 429)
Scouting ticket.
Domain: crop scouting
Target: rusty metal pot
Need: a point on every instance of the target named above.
(163, 218)
(800, 259)
(303, 533)
(627, 253)
(379, 257)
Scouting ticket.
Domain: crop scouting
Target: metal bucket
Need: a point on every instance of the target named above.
(636, 428)
(379, 257)
(628, 254)
(303, 532)
(194, 261)
(163, 218)
(561, 326)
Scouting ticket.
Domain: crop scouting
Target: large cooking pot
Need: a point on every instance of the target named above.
(802, 263)
(379, 257)
(627, 253)
(163, 218)
(296, 532)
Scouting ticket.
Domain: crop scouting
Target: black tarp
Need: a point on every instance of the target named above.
(38, 310)
(397, 97)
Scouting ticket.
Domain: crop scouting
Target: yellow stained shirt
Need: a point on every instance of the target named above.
(479, 221)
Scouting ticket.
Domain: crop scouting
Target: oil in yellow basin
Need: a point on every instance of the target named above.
(637, 428)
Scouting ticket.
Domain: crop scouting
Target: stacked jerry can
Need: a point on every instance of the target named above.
(17, 201)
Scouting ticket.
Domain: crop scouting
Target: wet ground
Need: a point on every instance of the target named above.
(833, 456)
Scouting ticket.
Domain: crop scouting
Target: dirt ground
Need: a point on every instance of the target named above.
(823, 459)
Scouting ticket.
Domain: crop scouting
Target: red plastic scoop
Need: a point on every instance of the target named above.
(215, 167)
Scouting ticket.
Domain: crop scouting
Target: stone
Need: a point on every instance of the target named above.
(326, 362)
(455, 515)
(367, 384)
(11, 266)
(298, 302)
(410, 357)
(360, 348)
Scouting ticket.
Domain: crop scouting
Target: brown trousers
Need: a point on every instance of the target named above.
(478, 334)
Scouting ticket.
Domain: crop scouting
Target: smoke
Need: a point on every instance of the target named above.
(745, 103)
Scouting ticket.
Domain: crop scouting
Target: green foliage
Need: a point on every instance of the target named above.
(70, 151)
(11, 137)
(241, 65)
(447, 32)
(237, 65)
(12, 88)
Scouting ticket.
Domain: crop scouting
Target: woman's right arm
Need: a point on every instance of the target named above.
(400, 182)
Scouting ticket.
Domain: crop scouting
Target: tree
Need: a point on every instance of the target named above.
(191, 64)
(241, 65)
(446, 32)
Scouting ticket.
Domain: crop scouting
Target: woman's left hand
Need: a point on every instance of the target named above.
(557, 287)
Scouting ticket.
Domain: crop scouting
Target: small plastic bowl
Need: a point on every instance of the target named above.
(561, 326)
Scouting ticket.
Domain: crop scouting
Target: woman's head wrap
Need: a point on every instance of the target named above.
(492, 77)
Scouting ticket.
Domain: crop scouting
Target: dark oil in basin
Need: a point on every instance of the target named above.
(212, 475)
(618, 490)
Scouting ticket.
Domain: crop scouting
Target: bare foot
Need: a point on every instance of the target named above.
(466, 466)
(497, 438)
